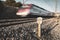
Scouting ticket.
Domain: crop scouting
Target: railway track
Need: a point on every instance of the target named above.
(11, 29)
(11, 26)
(8, 22)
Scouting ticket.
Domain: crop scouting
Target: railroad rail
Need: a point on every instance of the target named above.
(8, 22)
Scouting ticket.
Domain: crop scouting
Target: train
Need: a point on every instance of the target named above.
(33, 10)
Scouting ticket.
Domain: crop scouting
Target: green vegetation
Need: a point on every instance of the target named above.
(10, 3)
(13, 3)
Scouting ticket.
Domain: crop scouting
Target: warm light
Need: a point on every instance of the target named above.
(23, 12)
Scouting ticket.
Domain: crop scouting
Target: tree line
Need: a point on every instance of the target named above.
(11, 3)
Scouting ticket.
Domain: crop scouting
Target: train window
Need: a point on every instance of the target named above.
(26, 7)
(35, 9)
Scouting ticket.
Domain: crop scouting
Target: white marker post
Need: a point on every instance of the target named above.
(39, 21)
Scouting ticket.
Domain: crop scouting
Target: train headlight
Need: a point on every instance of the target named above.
(23, 12)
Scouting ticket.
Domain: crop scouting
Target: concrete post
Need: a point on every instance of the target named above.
(39, 21)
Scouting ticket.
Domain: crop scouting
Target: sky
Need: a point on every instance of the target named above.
(46, 4)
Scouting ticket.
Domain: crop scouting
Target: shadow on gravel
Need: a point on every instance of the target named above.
(46, 33)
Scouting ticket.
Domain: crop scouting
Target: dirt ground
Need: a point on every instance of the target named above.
(51, 31)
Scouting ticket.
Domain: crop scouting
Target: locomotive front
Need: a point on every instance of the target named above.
(24, 11)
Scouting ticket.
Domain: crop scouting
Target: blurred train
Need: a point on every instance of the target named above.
(33, 10)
